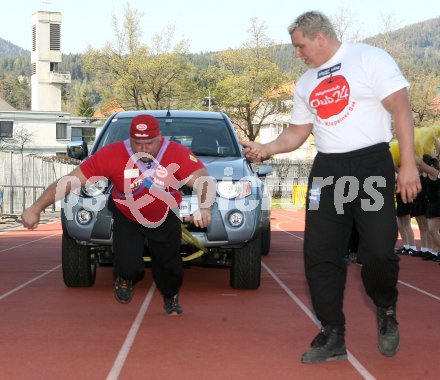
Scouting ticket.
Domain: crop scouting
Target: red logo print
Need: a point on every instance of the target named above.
(330, 97)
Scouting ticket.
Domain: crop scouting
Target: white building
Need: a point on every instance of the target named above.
(272, 128)
(273, 125)
(45, 133)
(45, 128)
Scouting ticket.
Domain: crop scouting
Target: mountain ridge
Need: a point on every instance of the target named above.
(10, 50)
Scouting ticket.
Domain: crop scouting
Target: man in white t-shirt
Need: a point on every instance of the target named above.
(346, 99)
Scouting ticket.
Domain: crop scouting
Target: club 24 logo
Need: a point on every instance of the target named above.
(330, 97)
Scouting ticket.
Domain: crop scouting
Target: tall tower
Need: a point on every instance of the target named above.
(46, 79)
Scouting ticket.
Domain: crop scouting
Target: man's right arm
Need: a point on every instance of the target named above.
(54, 192)
(290, 139)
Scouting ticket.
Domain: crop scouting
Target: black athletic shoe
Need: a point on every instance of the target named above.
(402, 251)
(172, 306)
(327, 346)
(429, 256)
(123, 290)
(424, 254)
(388, 330)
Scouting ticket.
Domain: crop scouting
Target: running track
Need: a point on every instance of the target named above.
(48, 331)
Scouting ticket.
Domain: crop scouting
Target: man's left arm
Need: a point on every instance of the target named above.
(408, 182)
(204, 185)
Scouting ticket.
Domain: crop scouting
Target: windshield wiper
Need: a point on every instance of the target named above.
(213, 154)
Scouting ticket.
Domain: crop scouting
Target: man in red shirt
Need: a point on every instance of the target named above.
(146, 171)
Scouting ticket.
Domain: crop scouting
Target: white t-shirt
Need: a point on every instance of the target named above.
(342, 98)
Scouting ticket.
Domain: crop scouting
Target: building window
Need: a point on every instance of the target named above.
(6, 129)
(83, 134)
(89, 135)
(61, 131)
(54, 66)
(76, 134)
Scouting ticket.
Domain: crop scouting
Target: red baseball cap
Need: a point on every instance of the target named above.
(144, 127)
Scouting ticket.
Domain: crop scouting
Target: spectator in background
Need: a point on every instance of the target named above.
(403, 215)
(418, 211)
(432, 169)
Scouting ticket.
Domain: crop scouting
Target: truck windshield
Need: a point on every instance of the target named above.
(205, 137)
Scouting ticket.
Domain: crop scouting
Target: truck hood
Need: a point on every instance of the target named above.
(220, 167)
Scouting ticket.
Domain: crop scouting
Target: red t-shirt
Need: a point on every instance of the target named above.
(132, 197)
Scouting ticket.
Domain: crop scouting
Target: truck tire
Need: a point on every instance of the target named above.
(265, 241)
(79, 268)
(245, 271)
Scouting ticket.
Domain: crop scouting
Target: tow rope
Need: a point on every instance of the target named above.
(189, 238)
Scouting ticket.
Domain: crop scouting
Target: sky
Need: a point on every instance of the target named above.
(207, 25)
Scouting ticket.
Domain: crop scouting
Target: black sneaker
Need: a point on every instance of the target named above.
(123, 290)
(172, 306)
(402, 251)
(388, 331)
(429, 256)
(424, 254)
(327, 346)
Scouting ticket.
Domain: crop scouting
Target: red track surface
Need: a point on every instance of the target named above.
(49, 331)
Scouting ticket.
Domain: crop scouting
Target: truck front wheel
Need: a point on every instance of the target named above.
(79, 267)
(245, 271)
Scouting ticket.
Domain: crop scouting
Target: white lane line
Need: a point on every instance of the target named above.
(283, 286)
(29, 242)
(352, 359)
(125, 349)
(290, 218)
(29, 282)
(402, 282)
(21, 228)
(419, 290)
(287, 232)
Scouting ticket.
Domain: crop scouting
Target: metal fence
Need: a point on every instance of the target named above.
(24, 177)
(288, 179)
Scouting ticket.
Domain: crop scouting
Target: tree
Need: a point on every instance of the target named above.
(139, 76)
(21, 138)
(247, 82)
(399, 50)
(422, 93)
(422, 78)
(4, 144)
(345, 24)
(16, 91)
(85, 107)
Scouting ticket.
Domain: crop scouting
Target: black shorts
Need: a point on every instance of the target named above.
(418, 208)
(433, 209)
(403, 209)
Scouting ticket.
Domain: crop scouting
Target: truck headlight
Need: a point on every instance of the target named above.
(95, 189)
(233, 189)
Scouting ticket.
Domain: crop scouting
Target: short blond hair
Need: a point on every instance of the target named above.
(311, 23)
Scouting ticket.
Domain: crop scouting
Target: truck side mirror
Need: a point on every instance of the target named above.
(77, 150)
